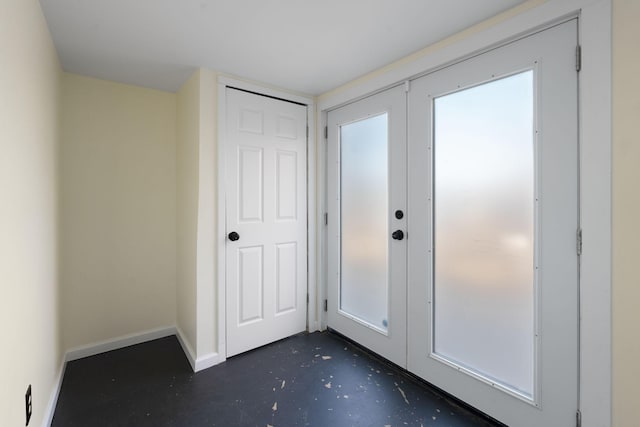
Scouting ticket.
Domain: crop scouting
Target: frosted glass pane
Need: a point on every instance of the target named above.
(364, 215)
(484, 230)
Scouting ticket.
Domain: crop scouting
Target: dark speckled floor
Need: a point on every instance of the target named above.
(306, 380)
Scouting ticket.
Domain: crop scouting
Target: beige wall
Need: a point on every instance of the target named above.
(188, 136)
(626, 212)
(118, 181)
(196, 192)
(207, 218)
(29, 84)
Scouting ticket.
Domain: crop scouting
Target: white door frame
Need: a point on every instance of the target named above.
(312, 307)
(595, 161)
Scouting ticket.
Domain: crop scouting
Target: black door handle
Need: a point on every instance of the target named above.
(398, 235)
(233, 236)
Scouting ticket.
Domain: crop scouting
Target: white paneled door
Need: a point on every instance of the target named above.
(266, 220)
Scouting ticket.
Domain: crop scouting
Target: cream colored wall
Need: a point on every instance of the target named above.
(29, 84)
(431, 50)
(188, 135)
(207, 219)
(196, 296)
(626, 212)
(118, 206)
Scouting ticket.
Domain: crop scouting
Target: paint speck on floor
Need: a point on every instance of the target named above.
(283, 383)
(404, 396)
(328, 385)
(326, 357)
(275, 406)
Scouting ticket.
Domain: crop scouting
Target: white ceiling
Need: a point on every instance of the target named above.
(301, 45)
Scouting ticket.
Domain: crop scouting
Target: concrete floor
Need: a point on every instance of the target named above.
(314, 379)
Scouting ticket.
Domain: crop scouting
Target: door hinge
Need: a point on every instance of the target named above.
(307, 299)
(578, 418)
(326, 132)
(407, 86)
(578, 58)
(326, 305)
(579, 241)
(307, 132)
(326, 218)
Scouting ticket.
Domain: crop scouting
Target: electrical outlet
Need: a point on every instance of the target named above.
(28, 404)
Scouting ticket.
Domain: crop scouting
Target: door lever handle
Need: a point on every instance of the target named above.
(397, 235)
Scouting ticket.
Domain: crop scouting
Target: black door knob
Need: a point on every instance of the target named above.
(397, 235)
(233, 236)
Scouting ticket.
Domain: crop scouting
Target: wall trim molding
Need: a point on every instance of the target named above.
(186, 348)
(118, 342)
(55, 393)
(207, 361)
(100, 347)
(197, 363)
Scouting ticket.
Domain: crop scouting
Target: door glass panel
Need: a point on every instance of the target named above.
(484, 230)
(364, 220)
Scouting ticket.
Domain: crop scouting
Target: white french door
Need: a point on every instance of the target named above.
(487, 288)
(367, 222)
(493, 267)
(266, 220)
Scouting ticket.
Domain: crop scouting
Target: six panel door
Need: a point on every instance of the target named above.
(266, 250)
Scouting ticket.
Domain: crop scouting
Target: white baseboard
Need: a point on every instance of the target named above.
(186, 347)
(197, 363)
(207, 361)
(53, 399)
(92, 350)
(119, 342)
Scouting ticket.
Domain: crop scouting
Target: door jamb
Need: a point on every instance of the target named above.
(312, 305)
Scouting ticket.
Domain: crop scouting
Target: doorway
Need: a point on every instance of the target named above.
(491, 284)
